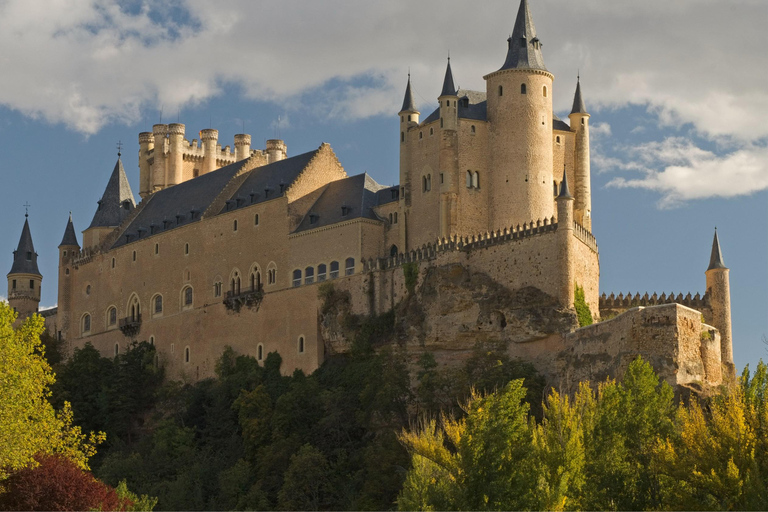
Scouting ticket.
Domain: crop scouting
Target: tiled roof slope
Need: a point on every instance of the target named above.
(269, 181)
(358, 194)
(164, 205)
(524, 47)
(25, 257)
(111, 210)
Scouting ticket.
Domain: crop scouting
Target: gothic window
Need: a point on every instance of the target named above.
(86, 323)
(309, 275)
(187, 296)
(321, 272)
(296, 278)
(301, 344)
(476, 180)
(271, 273)
(158, 304)
(217, 289)
(349, 267)
(393, 251)
(523, 89)
(469, 179)
(334, 269)
(112, 316)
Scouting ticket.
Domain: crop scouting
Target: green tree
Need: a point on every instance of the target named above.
(306, 481)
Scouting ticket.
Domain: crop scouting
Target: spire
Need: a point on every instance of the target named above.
(117, 200)
(716, 259)
(70, 238)
(564, 192)
(578, 103)
(25, 257)
(408, 104)
(448, 88)
(524, 47)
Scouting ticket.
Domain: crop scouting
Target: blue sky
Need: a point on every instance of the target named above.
(677, 91)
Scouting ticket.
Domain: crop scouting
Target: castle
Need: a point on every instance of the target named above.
(493, 209)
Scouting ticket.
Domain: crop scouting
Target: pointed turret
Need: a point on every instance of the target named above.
(716, 257)
(408, 103)
(25, 257)
(116, 202)
(70, 237)
(448, 88)
(578, 103)
(524, 47)
(564, 193)
(24, 279)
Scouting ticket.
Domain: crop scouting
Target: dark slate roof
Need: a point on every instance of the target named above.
(716, 258)
(559, 124)
(359, 194)
(112, 207)
(269, 181)
(448, 88)
(524, 47)
(472, 105)
(578, 103)
(164, 205)
(388, 195)
(565, 193)
(25, 257)
(70, 237)
(408, 104)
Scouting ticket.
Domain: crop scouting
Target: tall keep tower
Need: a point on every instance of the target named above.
(519, 99)
(409, 117)
(24, 279)
(719, 291)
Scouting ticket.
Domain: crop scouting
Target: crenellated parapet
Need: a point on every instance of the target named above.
(613, 304)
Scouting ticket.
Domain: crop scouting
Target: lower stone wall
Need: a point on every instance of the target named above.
(682, 349)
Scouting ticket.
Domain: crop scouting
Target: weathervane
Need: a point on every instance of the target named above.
(26, 208)
(119, 148)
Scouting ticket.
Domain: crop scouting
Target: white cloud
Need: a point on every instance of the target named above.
(600, 130)
(87, 63)
(680, 171)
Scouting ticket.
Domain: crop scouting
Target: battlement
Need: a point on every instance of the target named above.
(608, 302)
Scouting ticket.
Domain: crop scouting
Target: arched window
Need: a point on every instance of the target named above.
(186, 354)
(582, 121)
(186, 248)
(557, 139)
(545, 91)
(271, 273)
(134, 309)
(296, 278)
(393, 251)
(555, 186)
(151, 340)
(309, 275)
(334, 269)
(476, 180)
(390, 218)
(501, 91)
(187, 296)
(469, 179)
(86, 323)
(523, 89)
(301, 344)
(260, 352)
(349, 266)
(157, 248)
(112, 316)
(158, 304)
(431, 131)
(321, 272)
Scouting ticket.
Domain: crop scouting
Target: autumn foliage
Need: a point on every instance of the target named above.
(56, 483)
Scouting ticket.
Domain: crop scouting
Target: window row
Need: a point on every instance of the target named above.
(322, 272)
(393, 218)
(133, 312)
(524, 90)
(300, 348)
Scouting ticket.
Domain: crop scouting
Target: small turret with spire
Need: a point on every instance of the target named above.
(582, 209)
(113, 207)
(24, 279)
(719, 293)
(448, 100)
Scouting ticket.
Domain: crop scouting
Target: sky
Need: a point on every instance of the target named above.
(677, 91)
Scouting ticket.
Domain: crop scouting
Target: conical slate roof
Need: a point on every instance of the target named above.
(716, 258)
(112, 207)
(578, 103)
(524, 47)
(25, 257)
(408, 104)
(448, 88)
(70, 237)
(565, 193)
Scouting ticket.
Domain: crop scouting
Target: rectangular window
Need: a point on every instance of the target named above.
(13, 286)
(31, 284)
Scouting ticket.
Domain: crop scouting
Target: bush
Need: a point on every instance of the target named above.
(582, 308)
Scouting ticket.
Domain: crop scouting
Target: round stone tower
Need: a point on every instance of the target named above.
(580, 124)
(160, 135)
(519, 99)
(242, 146)
(719, 292)
(68, 250)
(175, 153)
(146, 145)
(209, 138)
(24, 279)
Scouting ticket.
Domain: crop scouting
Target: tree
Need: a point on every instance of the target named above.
(306, 481)
(29, 425)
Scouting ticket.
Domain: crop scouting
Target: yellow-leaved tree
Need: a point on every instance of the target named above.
(29, 425)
